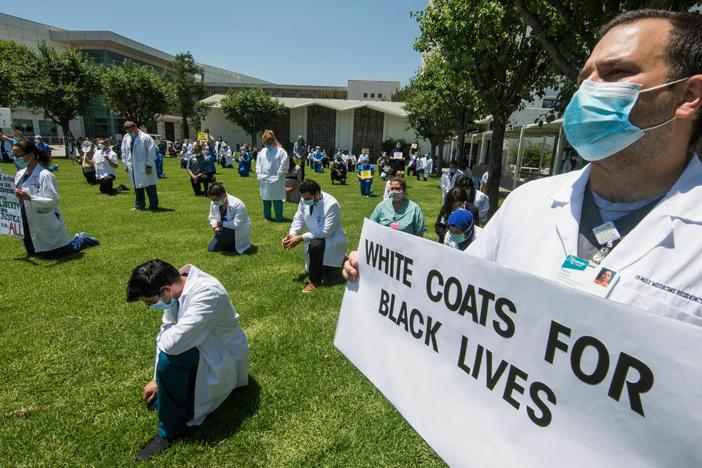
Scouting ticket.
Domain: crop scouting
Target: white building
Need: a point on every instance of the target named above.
(366, 90)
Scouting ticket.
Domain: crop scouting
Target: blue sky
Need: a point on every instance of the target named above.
(315, 42)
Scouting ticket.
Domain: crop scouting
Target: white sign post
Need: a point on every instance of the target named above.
(497, 368)
(10, 214)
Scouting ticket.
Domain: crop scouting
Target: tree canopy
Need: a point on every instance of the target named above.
(186, 78)
(13, 56)
(136, 92)
(252, 109)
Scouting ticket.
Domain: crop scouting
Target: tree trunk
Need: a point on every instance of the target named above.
(498, 138)
(186, 129)
(253, 140)
(65, 126)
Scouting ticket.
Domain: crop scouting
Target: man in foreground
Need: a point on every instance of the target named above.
(635, 209)
(201, 352)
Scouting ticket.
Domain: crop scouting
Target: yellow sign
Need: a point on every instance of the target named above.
(202, 136)
(368, 174)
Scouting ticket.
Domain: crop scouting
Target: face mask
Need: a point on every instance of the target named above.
(100, 147)
(452, 171)
(218, 203)
(596, 121)
(309, 202)
(397, 195)
(161, 306)
(458, 238)
(19, 162)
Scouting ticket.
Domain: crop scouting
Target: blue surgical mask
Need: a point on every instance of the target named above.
(311, 202)
(397, 195)
(596, 121)
(218, 203)
(20, 162)
(458, 238)
(161, 306)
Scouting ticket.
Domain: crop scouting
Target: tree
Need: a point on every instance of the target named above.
(187, 87)
(486, 42)
(136, 92)
(438, 104)
(252, 109)
(60, 84)
(13, 56)
(401, 94)
(201, 111)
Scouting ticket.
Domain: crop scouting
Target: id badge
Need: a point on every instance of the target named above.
(395, 225)
(584, 275)
(607, 232)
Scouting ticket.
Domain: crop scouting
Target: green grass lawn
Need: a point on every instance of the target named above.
(75, 355)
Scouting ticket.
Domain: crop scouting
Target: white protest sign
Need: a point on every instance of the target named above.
(497, 368)
(5, 117)
(10, 214)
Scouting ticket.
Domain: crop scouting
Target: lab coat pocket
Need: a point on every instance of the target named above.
(659, 300)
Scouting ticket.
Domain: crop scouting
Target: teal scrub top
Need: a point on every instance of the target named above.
(409, 217)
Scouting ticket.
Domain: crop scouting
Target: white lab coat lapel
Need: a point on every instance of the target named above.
(567, 204)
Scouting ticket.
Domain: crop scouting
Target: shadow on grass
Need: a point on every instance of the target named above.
(26, 259)
(67, 258)
(331, 277)
(240, 405)
(253, 250)
(161, 210)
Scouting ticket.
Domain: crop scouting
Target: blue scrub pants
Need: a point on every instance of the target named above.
(366, 187)
(175, 401)
(277, 206)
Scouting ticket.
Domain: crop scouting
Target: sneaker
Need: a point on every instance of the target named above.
(88, 240)
(155, 446)
(136, 209)
(309, 288)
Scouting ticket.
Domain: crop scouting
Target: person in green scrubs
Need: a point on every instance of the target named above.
(399, 212)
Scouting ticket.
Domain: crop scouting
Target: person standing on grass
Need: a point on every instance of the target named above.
(325, 241)
(201, 351)
(229, 220)
(271, 168)
(45, 234)
(139, 157)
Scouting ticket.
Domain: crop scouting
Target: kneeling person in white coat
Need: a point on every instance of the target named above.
(230, 222)
(325, 241)
(201, 352)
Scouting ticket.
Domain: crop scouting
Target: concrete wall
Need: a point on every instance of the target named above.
(356, 89)
(298, 123)
(220, 126)
(395, 128)
(344, 129)
(25, 32)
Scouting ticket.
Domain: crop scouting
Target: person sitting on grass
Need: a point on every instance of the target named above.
(197, 170)
(325, 241)
(45, 234)
(229, 220)
(201, 351)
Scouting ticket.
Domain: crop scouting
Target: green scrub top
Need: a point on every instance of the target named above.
(409, 217)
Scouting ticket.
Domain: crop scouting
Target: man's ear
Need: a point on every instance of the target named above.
(691, 102)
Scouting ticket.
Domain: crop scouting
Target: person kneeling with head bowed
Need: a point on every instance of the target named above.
(461, 229)
(325, 241)
(201, 352)
(229, 220)
(45, 233)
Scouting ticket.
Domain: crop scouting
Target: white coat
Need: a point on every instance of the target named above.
(537, 226)
(235, 217)
(102, 167)
(323, 223)
(46, 227)
(448, 181)
(136, 160)
(205, 318)
(482, 203)
(271, 167)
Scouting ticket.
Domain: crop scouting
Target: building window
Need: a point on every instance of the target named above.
(365, 95)
(372, 95)
(380, 95)
(549, 103)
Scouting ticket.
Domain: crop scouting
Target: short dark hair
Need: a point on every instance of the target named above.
(29, 147)
(310, 186)
(148, 278)
(454, 162)
(403, 182)
(216, 189)
(684, 49)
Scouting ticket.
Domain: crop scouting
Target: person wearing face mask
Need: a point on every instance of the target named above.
(45, 233)
(325, 239)
(197, 170)
(244, 162)
(456, 198)
(105, 162)
(139, 158)
(448, 178)
(229, 220)
(635, 208)
(477, 200)
(460, 229)
(365, 172)
(86, 151)
(399, 212)
(271, 167)
(201, 351)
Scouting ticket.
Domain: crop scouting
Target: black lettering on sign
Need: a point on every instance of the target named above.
(410, 320)
(393, 264)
